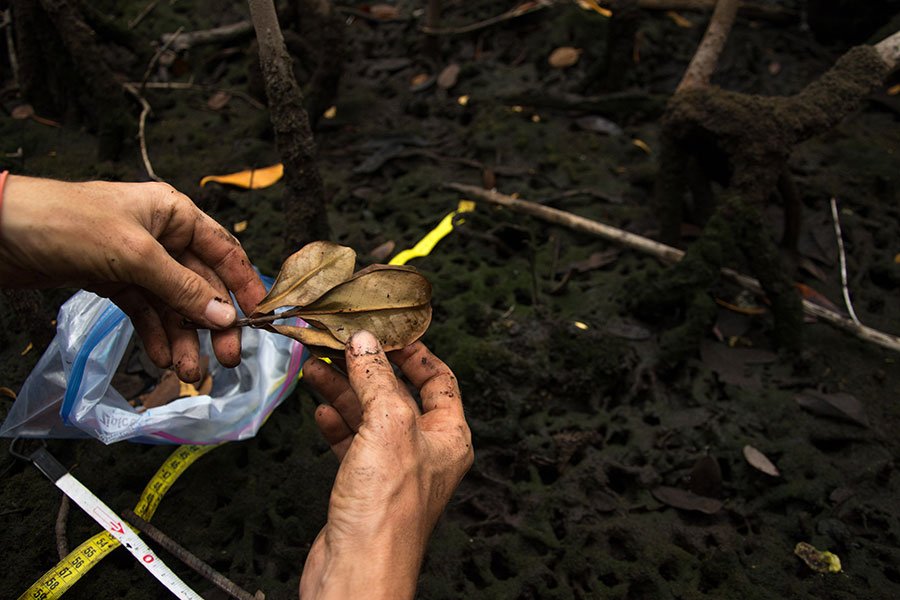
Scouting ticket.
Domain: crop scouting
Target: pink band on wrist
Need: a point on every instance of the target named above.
(2, 185)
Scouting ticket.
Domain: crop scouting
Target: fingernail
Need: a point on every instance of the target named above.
(220, 313)
(363, 342)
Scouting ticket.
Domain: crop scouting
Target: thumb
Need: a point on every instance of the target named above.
(372, 378)
(185, 291)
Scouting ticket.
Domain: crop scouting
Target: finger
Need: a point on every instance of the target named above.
(185, 346)
(372, 378)
(335, 390)
(185, 291)
(437, 385)
(334, 429)
(147, 324)
(227, 343)
(223, 253)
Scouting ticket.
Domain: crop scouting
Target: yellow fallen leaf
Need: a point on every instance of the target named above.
(253, 179)
(594, 6)
(463, 100)
(240, 227)
(535, 118)
(642, 145)
(894, 90)
(580, 325)
(820, 561)
(517, 108)
(897, 259)
(330, 113)
(679, 20)
(186, 389)
(27, 349)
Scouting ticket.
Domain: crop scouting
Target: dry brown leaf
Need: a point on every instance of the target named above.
(5, 391)
(760, 461)
(685, 500)
(392, 302)
(564, 57)
(240, 226)
(310, 336)
(385, 12)
(22, 112)
(307, 274)
(448, 77)
(839, 405)
(218, 100)
(382, 251)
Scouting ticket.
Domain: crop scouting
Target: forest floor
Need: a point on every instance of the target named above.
(579, 437)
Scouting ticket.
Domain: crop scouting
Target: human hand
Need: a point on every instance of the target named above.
(399, 468)
(145, 246)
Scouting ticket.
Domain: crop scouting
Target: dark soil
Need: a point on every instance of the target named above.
(573, 428)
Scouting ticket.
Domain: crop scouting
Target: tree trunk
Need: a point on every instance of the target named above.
(304, 198)
(106, 107)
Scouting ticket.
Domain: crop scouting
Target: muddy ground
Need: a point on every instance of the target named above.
(575, 429)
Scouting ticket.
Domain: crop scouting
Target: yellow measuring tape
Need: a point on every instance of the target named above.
(82, 559)
(427, 243)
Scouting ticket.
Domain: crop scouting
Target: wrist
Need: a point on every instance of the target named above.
(385, 567)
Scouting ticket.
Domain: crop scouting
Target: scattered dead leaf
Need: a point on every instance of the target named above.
(679, 20)
(384, 12)
(627, 331)
(685, 500)
(742, 310)
(774, 67)
(27, 349)
(706, 477)
(488, 179)
(22, 112)
(381, 252)
(330, 112)
(463, 100)
(5, 391)
(595, 261)
(760, 462)
(594, 6)
(639, 143)
(252, 179)
(838, 405)
(816, 297)
(812, 268)
(419, 80)
(240, 226)
(449, 76)
(599, 125)
(564, 57)
(218, 100)
(820, 561)
(894, 90)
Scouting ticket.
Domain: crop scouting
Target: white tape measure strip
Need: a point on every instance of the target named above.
(112, 523)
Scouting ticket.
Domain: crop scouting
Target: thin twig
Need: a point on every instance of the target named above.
(225, 33)
(518, 11)
(147, 10)
(142, 124)
(155, 58)
(62, 519)
(185, 556)
(666, 254)
(840, 242)
(177, 85)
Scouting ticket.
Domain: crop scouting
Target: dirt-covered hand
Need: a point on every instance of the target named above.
(145, 246)
(399, 468)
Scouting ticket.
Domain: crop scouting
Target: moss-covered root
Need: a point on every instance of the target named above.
(682, 341)
(765, 262)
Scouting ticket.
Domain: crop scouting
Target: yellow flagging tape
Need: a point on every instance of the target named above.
(427, 243)
(54, 583)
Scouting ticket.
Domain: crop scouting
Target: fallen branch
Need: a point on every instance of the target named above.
(188, 558)
(705, 59)
(521, 10)
(225, 33)
(666, 254)
(142, 124)
(156, 57)
(143, 14)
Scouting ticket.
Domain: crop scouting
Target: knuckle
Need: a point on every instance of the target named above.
(190, 287)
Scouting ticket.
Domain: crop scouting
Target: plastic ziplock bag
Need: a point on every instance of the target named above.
(69, 392)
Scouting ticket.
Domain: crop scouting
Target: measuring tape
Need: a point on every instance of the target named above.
(54, 583)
